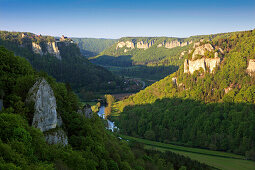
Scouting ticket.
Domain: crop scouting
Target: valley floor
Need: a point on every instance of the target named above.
(219, 160)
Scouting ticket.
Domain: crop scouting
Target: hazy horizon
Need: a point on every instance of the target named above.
(116, 19)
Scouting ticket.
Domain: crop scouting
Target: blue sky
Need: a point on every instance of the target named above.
(115, 19)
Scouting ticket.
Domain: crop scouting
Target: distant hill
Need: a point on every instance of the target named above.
(154, 57)
(93, 46)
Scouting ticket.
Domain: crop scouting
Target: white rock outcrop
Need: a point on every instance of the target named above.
(52, 48)
(128, 44)
(37, 48)
(173, 44)
(145, 45)
(251, 67)
(120, 45)
(200, 50)
(190, 66)
(45, 116)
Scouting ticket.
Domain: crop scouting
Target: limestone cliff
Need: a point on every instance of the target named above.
(200, 50)
(128, 44)
(145, 45)
(173, 44)
(37, 48)
(45, 116)
(251, 67)
(51, 48)
(207, 64)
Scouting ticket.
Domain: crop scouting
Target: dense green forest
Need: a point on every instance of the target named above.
(202, 109)
(84, 77)
(91, 146)
(93, 45)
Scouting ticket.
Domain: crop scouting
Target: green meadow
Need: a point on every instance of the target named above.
(217, 159)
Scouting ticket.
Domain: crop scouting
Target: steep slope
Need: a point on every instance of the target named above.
(208, 102)
(93, 46)
(61, 59)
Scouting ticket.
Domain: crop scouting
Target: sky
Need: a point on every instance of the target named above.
(119, 18)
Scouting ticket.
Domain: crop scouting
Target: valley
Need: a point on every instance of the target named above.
(132, 103)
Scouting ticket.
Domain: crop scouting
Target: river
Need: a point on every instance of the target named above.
(111, 125)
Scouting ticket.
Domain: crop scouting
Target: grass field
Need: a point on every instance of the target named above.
(220, 160)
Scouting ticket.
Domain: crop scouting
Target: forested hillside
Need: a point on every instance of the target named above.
(210, 107)
(91, 146)
(93, 45)
(83, 76)
(147, 54)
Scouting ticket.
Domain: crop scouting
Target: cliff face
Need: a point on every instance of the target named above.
(45, 113)
(145, 45)
(173, 44)
(200, 50)
(128, 44)
(51, 47)
(251, 67)
(207, 64)
(37, 48)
